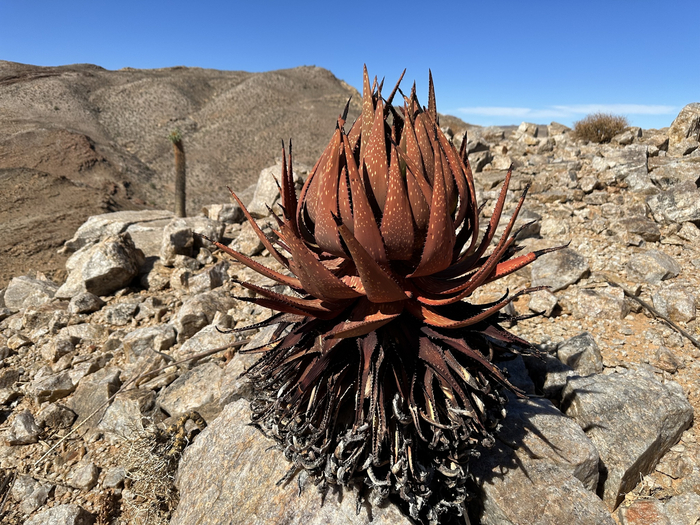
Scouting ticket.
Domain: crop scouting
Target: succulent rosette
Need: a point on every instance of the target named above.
(381, 373)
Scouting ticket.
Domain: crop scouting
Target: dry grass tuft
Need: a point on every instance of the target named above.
(151, 496)
(599, 127)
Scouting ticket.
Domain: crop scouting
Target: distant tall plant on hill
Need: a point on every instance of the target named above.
(599, 127)
(180, 173)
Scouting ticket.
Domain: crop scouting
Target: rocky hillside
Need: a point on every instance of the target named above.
(101, 372)
(80, 140)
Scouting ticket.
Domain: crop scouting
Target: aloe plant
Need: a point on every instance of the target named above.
(180, 174)
(381, 373)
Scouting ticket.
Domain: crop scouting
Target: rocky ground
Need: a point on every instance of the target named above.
(97, 367)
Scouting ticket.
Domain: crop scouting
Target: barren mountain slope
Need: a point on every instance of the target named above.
(77, 140)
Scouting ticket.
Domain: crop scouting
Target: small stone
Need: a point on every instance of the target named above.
(178, 239)
(652, 267)
(605, 303)
(83, 476)
(25, 292)
(114, 478)
(55, 417)
(50, 386)
(18, 341)
(683, 509)
(68, 514)
(646, 229)
(8, 377)
(30, 494)
(676, 301)
(120, 314)
(192, 390)
(543, 301)
(197, 312)
(675, 465)
(582, 354)
(85, 303)
(559, 269)
(142, 340)
(92, 393)
(666, 360)
(230, 213)
(23, 430)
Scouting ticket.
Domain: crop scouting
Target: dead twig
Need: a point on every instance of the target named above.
(656, 313)
(123, 388)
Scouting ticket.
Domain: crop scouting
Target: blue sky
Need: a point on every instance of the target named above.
(494, 62)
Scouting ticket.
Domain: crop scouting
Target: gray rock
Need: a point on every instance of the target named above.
(542, 470)
(525, 129)
(68, 514)
(682, 148)
(85, 303)
(479, 159)
(652, 267)
(30, 494)
(197, 312)
(120, 314)
(216, 486)
(672, 174)
(624, 138)
(681, 204)
(603, 303)
(141, 340)
(98, 227)
(104, 268)
(559, 269)
(247, 241)
(667, 360)
(49, 386)
(229, 213)
(23, 430)
(55, 417)
(266, 192)
(208, 338)
(582, 354)
(557, 129)
(114, 478)
(92, 393)
(158, 278)
(676, 301)
(209, 279)
(685, 126)
(122, 420)
(83, 476)
(646, 229)
(683, 509)
(192, 390)
(588, 184)
(632, 419)
(8, 377)
(549, 374)
(233, 386)
(25, 292)
(186, 262)
(178, 239)
(84, 332)
(630, 165)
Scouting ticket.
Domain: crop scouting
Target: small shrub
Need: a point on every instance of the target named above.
(599, 127)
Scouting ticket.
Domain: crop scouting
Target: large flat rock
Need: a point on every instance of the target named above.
(228, 476)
